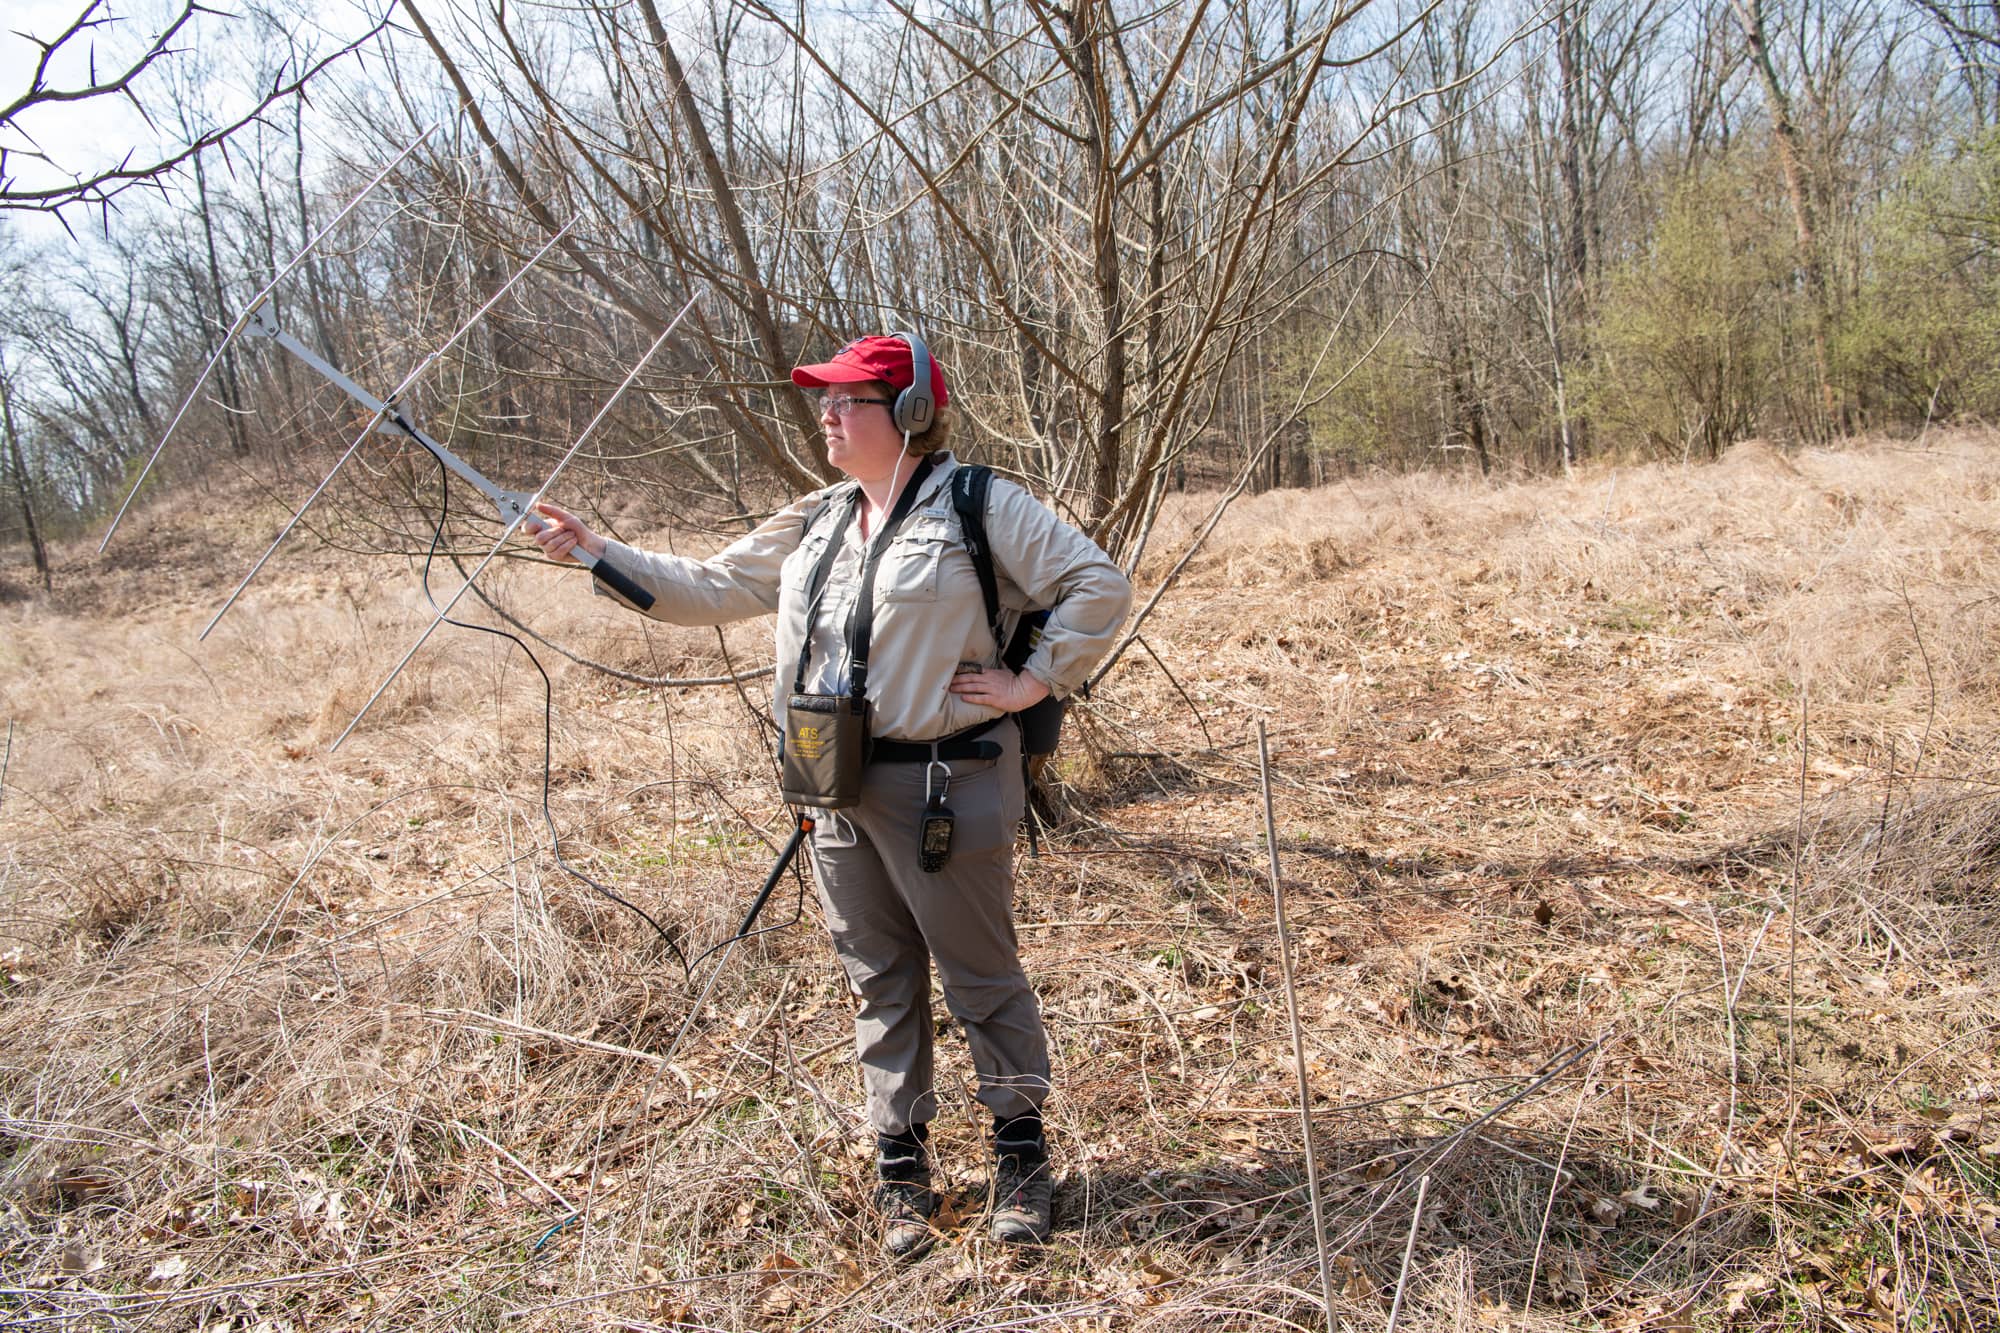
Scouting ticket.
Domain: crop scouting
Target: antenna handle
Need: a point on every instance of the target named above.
(621, 583)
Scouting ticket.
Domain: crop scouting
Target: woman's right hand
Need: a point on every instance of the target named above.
(562, 533)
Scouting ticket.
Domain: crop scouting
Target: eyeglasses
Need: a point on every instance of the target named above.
(840, 404)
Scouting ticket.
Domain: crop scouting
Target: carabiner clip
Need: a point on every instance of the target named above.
(934, 828)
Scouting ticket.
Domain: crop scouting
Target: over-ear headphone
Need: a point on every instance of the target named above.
(916, 407)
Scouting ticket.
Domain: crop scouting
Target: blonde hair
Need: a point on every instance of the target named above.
(937, 437)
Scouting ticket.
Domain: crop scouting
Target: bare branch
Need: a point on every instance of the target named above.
(99, 189)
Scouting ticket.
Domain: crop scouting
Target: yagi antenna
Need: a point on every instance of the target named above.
(523, 510)
(389, 417)
(243, 321)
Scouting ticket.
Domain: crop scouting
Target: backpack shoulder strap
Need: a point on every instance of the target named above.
(969, 484)
(829, 498)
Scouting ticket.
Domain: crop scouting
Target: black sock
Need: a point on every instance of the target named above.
(901, 1156)
(1020, 1136)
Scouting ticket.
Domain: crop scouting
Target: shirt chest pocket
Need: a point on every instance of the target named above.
(799, 565)
(910, 566)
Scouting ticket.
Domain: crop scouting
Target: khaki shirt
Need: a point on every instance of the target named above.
(929, 613)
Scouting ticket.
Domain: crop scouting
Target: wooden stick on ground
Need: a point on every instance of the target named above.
(1409, 1249)
(1298, 1037)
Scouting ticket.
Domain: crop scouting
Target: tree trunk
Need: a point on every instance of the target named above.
(128, 354)
(22, 491)
(1750, 15)
(1106, 277)
(232, 396)
(1571, 297)
(1470, 410)
(316, 296)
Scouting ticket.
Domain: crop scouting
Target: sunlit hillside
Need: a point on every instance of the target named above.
(1638, 838)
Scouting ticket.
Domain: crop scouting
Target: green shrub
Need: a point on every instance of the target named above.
(1380, 414)
(1690, 333)
(1922, 338)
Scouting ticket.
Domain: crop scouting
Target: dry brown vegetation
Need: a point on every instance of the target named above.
(1639, 836)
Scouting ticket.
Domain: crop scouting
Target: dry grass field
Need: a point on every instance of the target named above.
(1639, 838)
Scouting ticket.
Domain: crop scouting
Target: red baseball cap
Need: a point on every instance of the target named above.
(873, 358)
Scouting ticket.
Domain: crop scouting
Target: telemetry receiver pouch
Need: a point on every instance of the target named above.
(826, 748)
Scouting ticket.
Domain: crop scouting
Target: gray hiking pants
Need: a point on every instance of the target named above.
(890, 921)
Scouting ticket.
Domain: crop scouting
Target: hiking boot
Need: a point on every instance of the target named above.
(906, 1209)
(1022, 1206)
(903, 1194)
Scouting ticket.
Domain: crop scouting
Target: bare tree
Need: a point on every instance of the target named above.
(1972, 28)
(1156, 246)
(17, 468)
(1097, 212)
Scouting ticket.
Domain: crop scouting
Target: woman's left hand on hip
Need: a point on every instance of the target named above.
(997, 687)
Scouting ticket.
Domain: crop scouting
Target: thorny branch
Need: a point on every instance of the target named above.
(99, 189)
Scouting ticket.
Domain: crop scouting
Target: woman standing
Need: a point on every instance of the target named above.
(878, 601)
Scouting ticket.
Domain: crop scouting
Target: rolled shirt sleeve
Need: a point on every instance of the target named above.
(740, 581)
(1054, 565)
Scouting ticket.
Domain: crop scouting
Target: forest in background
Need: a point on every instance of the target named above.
(1219, 247)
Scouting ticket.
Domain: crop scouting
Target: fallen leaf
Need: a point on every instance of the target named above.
(79, 1256)
(779, 1302)
(166, 1273)
(1677, 1320)
(1745, 1290)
